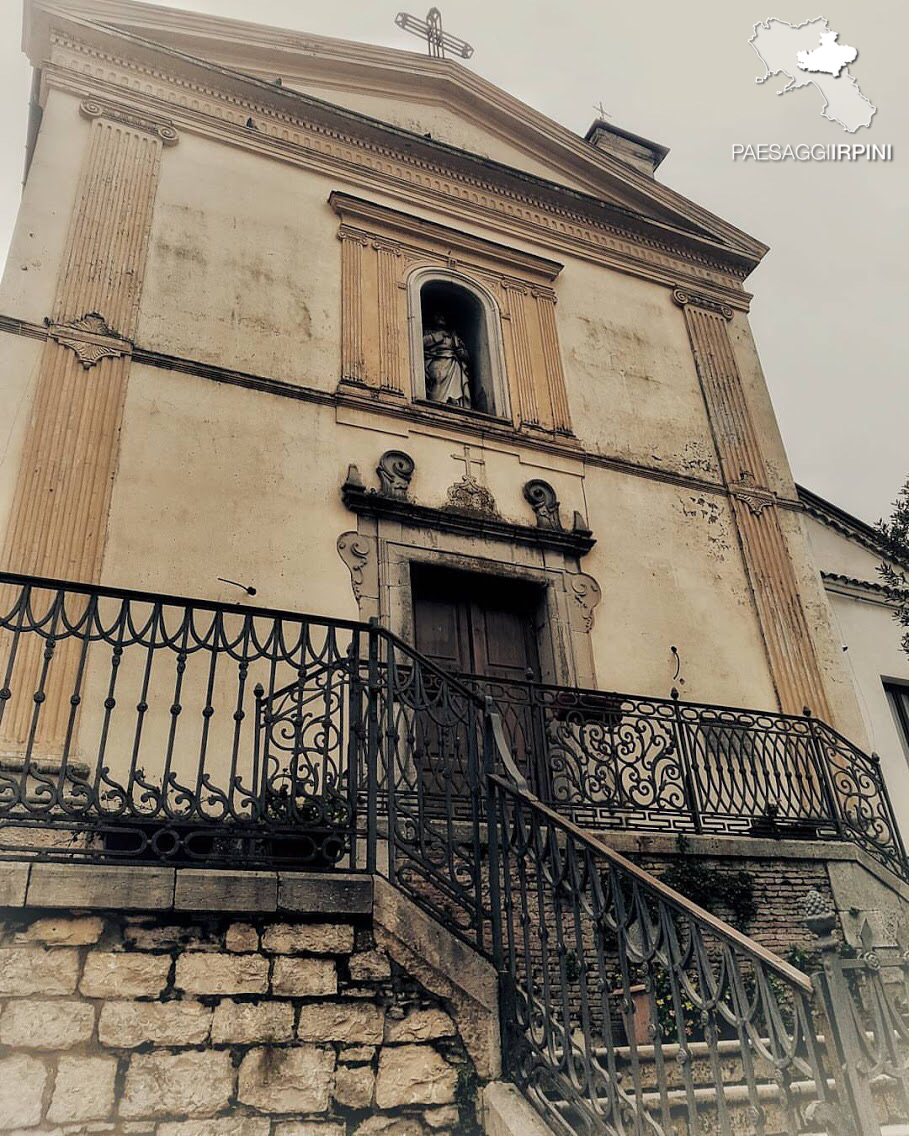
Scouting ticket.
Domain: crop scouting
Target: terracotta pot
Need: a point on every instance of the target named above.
(640, 1002)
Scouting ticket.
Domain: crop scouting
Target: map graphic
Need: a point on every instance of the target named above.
(810, 54)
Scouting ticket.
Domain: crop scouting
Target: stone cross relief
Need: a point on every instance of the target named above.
(471, 491)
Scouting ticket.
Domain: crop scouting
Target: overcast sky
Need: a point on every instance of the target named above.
(831, 311)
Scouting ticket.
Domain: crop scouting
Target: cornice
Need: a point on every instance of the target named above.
(867, 590)
(419, 414)
(845, 524)
(297, 128)
(368, 213)
(468, 522)
(245, 46)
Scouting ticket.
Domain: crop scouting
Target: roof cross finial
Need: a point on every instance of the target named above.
(430, 29)
(601, 110)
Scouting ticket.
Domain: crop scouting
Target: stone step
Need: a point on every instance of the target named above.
(739, 1100)
(699, 1063)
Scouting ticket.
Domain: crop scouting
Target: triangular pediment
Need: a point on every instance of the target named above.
(440, 101)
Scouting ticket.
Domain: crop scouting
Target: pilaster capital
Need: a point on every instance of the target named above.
(160, 128)
(684, 298)
(357, 236)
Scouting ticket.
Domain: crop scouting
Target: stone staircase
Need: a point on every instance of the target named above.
(656, 1079)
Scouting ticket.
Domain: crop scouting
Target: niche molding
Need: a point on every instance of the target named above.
(381, 251)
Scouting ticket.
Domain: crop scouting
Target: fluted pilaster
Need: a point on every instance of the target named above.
(787, 635)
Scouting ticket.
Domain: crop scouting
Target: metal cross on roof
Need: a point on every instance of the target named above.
(601, 110)
(430, 29)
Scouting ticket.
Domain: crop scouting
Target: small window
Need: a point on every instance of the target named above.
(898, 693)
(457, 346)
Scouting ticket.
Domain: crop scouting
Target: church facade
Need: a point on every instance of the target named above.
(257, 266)
(367, 432)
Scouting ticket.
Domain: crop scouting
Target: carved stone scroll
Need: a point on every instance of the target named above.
(395, 470)
(354, 550)
(787, 635)
(587, 594)
(542, 499)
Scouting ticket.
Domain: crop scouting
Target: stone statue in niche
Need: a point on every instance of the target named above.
(447, 364)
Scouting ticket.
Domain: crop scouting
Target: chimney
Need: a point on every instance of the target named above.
(630, 148)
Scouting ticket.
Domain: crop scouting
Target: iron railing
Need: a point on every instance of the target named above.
(146, 728)
(627, 1009)
(154, 728)
(867, 1003)
(612, 760)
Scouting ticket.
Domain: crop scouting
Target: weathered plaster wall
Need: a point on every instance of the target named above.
(244, 266)
(30, 277)
(866, 627)
(671, 573)
(232, 1026)
(217, 480)
(631, 380)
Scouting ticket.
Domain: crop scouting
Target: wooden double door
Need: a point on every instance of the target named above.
(477, 625)
(484, 627)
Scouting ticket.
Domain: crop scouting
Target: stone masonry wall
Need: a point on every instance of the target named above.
(210, 1026)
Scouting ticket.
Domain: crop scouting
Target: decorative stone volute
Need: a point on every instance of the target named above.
(395, 470)
(542, 499)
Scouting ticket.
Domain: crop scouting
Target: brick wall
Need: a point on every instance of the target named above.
(212, 1026)
(780, 887)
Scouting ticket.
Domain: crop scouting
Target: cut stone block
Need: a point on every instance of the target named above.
(199, 972)
(287, 1080)
(177, 1084)
(83, 1090)
(414, 1075)
(55, 1024)
(110, 974)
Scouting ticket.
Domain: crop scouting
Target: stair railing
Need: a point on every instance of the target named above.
(866, 1006)
(629, 1009)
(154, 728)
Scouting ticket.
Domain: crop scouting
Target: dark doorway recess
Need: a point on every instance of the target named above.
(477, 624)
(486, 627)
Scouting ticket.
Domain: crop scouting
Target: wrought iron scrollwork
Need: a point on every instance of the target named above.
(625, 1012)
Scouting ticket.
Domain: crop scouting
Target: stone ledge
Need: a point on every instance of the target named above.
(751, 848)
(447, 967)
(143, 887)
(507, 1112)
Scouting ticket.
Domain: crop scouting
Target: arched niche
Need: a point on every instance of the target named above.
(472, 314)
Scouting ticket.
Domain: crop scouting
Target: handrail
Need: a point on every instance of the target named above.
(46, 583)
(655, 886)
(603, 968)
(619, 695)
